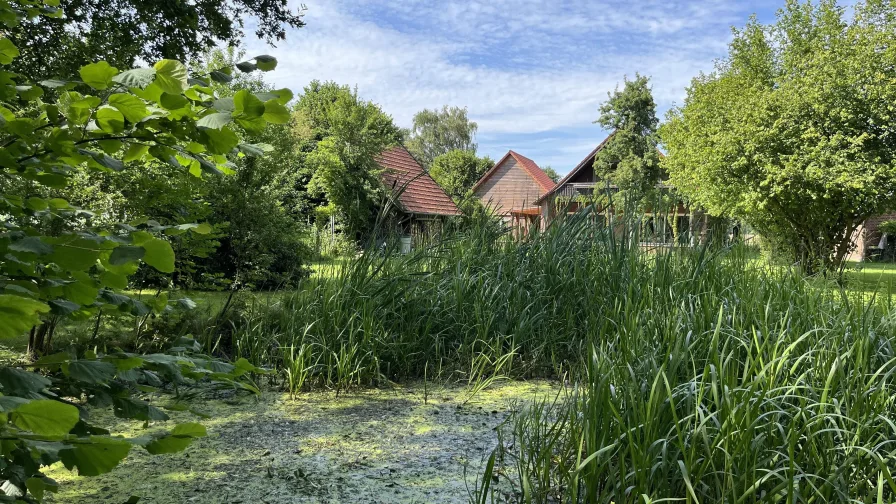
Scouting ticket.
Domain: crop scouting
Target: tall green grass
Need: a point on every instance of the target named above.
(711, 380)
(696, 374)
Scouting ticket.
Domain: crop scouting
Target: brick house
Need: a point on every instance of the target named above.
(421, 205)
(512, 187)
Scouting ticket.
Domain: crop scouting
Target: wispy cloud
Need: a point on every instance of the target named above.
(532, 73)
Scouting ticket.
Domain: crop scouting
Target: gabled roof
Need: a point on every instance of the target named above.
(537, 174)
(589, 159)
(417, 192)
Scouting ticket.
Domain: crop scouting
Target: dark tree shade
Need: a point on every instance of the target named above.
(125, 31)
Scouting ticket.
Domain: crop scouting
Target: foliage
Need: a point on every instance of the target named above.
(60, 262)
(697, 373)
(552, 173)
(438, 132)
(346, 134)
(263, 204)
(457, 171)
(888, 227)
(630, 158)
(793, 130)
(123, 32)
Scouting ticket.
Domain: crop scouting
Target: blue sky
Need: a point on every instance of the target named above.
(531, 73)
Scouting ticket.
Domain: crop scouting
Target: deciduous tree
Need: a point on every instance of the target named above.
(794, 130)
(346, 135)
(630, 159)
(458, 170)
(437, 132)
(122, 32)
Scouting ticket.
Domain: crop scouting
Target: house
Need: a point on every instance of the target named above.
(871, 244)
(580, 186)
(511, 189)
(421, 205)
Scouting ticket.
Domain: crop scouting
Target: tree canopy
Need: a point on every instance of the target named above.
(793, 131)
(122, 32)
(551, 173)
(437, 132)
(345, 135)
(630, 158)
(458, 170)
(62, 261)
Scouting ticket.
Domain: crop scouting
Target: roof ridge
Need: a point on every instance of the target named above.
(534, 171)
(530, 166)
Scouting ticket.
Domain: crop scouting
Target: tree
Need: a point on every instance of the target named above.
(458, 170)
(552, 173)
(347, 134)
(793, 132)
(437, 132)
(630, 159)
(123, 32)
(59, 262)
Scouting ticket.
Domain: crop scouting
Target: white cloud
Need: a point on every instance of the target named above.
(521, 67)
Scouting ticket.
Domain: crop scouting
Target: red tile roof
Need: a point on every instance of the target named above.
(537, 174)
(418, 192)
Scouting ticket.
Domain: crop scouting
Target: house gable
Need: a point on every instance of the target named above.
(515, 182)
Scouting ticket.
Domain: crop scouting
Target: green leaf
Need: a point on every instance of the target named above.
(54, 83)
(135, 152)
(9, 403)
(63, 307)
(173, 101)
(179, 438)
(19, 382)
(75, 254)
(275, 112)
(171, 76)
(283, 95)
(38, 486)
(247, 105)
(92, 371)
(37, 204)
(133, 108)
(110, 120)
(220, 77)
(255, 149)
(135, 409)
(45, 417)
(19, 314)
(8, 51)
(136, 78)
(266, 63)
(247, 66)
(105, 160)
(98, 75)
(215, 121)
(99, 455)
(125, 254)
(220, 141)
(31, 244)
(159, 255)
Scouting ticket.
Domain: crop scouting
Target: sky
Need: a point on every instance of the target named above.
(532, 74)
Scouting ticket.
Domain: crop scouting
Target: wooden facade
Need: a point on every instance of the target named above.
(511, 189)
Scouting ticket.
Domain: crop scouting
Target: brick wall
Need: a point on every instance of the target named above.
(868, 235)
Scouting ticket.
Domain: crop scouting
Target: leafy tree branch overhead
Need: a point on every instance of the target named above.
(124, 32)
(58, 261)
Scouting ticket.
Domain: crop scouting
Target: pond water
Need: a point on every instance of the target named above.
(366, 446)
